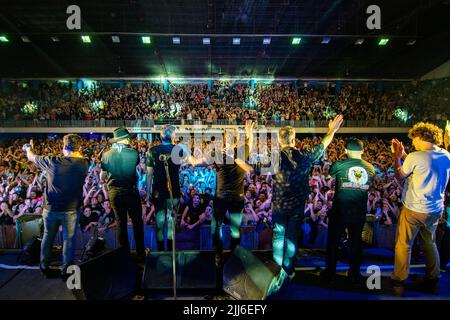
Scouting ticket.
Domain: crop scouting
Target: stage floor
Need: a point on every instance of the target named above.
(26, 283)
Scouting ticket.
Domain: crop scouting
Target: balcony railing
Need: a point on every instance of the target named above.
(151, 123)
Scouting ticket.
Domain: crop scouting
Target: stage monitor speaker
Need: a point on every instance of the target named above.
(247, 276)
(110, 276)
(195, 270)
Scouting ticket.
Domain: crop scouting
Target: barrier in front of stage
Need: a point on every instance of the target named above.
(15, 237)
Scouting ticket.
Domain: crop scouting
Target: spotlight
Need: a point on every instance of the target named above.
(55, 39)
(359, 41)
(86, 39)
(115, 39)
(383, 41)
(236, 41)
(326, 40)
(176, 40)
(146, 40)
(3, 39)
(411, 42)
(206, 41)
(266, 41)
(25, 39)
(296, 41)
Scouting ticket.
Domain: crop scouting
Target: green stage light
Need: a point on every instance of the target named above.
(86, 39)
(146, 40)
(296, 41)
(383, 42)
(3, 39)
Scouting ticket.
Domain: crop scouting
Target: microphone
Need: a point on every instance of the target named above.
(164, 157)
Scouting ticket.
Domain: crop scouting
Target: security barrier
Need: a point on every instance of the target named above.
(16, 236)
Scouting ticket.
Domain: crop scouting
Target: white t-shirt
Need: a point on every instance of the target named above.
(428, 173)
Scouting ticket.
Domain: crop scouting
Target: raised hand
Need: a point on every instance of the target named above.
(336, 123)
(397, 148)
(249, 126)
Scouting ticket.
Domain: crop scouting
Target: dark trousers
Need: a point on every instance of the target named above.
(351, 218)
(234, 204)
(286, 236)
(444, 248)
(123, 202)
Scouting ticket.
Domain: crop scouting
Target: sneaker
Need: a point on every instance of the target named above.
(327, 277)
(278, 282)
(398, 288)
(431, 286)
(354, 280)
(45, 271)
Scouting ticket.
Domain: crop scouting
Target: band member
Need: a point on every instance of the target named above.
(119, 167)
(426, 171)
(354, 177)
(157, 187)
(62, 198)
(290, 192)
(444, 249)
(230, 191)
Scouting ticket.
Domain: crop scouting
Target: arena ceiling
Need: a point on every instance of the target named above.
(426, 22)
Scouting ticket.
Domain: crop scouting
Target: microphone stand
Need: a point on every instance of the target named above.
(174, 221)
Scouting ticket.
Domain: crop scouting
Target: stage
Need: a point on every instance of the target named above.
(18, 282)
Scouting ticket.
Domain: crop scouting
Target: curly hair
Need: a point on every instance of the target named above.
(426, 132)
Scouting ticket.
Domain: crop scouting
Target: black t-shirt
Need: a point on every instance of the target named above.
(120, 162)
(97, 210)
(353, 180)
(5, 219)
(159, 188)
(230, 177)
(64, 182)
(84, 221)
(194, 213)
(105, 219)
(291, 182)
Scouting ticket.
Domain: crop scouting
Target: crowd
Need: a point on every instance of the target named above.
(225, 100)
(21, 186)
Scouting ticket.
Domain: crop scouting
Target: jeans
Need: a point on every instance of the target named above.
(410, 224)
(52, 220)
(286, 235)
(123, 202)
(163, 210)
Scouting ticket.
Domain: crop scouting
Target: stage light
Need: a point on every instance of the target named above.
(206, 41)
(383, 41)
(401, 114)
(326, 40)
(146, 40)
(115, 39)
(296, 41)
(359, 41)
(30, 107)
(266, 41)
(97, 105)
(55, 39)
(236, 41)
(86, 39)
(176, 40)
(25, 39)
(3, 39)
(411, 42)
